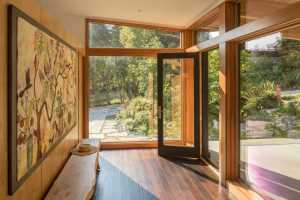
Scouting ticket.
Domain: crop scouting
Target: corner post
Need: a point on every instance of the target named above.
(228, 82)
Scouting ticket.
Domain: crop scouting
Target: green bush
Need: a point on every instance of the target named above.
(136, 115)
(275, 129)
(256, 100)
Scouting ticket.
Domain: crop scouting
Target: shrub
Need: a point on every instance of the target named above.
(136, 115)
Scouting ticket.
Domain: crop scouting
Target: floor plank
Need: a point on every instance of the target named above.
(140, 174)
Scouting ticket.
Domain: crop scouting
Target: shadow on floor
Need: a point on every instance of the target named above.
(116, 185)
(196, 166)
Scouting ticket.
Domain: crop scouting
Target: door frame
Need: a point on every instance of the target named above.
(178, 151)
(204, 67)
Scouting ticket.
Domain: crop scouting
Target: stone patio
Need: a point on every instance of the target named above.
(103, 125)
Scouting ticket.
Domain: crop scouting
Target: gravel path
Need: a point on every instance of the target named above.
(97, 116)
(103, 125)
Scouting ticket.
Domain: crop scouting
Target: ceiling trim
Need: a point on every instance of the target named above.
(203, 14)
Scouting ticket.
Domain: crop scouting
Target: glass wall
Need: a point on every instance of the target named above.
(123, 89)
(114, 36)
(211, 138)
(122, 98)
(270, 114)
(203, 35)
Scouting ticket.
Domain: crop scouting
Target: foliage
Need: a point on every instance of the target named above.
(128, 80)
(274, 127)
(213, 94)
(122, 78)
(255, 100)
(172, 98)
(136, 115)
(108, 36)
(119, 79)
(264, 76)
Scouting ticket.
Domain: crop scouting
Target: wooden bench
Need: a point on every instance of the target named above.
(77, 180)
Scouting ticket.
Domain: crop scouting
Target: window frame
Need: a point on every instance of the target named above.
(228, 43)
(205, 108)
(185, 41)
(254, 190)
(130, 51)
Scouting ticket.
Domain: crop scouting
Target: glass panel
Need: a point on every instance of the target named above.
(251, 10)
(270, 114)
(209, 29)
(122, 98)
(178, 102)
(203, 35)
(114, 36)
(213, 106)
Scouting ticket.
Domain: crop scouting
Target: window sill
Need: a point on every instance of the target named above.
(240, 191)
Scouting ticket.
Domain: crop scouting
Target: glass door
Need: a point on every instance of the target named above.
(178, 105)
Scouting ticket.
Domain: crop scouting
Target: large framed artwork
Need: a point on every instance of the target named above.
(42, 94)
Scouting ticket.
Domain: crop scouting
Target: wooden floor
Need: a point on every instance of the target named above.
(143, 175)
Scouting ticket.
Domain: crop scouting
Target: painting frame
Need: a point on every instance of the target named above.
(13, 15)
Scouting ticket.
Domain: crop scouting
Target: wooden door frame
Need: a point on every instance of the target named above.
(204, 67)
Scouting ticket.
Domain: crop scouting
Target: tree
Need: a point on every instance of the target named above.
(126, 76)
(123, 75)
(213, 93)
(264, 75)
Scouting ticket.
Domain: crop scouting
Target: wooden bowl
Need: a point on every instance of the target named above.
(84, 148)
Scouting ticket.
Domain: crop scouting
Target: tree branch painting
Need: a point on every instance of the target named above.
(46, 94)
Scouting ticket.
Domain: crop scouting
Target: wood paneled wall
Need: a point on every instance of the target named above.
(38, 183)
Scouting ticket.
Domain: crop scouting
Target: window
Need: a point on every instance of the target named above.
(206, 35)
(209, 28)
(178, 101)
(251, 10)
(123, 89)
(122, 102)
(211, 108)
(172, 98)
(270, 114)
(115, 36)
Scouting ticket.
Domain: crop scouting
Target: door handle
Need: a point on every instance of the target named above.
(159, 110)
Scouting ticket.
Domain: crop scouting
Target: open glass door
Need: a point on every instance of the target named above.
(178, 105)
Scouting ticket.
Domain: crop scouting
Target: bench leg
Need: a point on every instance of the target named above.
(98, 164)
(98, 167)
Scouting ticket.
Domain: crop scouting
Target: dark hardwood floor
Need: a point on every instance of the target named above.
(143, 175)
